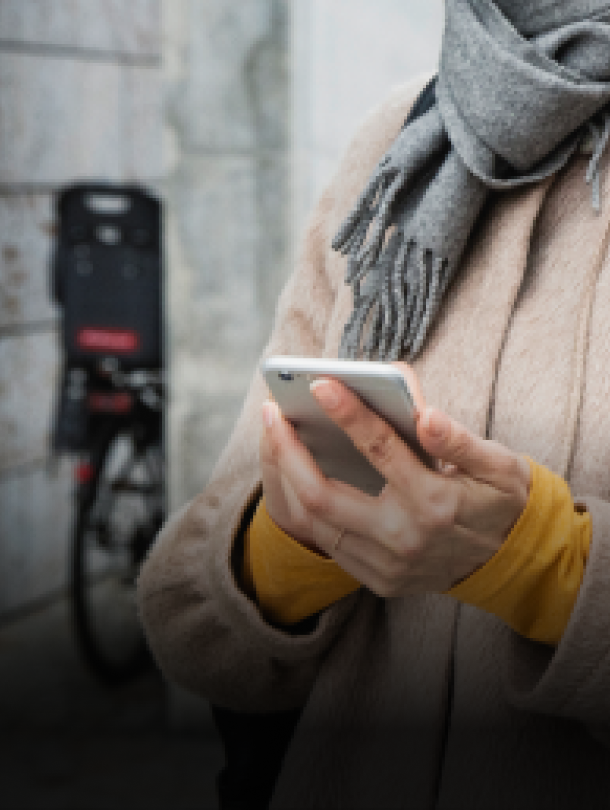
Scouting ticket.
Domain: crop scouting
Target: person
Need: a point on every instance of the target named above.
(445, 644)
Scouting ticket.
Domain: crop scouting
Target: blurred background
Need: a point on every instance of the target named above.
(234, 114)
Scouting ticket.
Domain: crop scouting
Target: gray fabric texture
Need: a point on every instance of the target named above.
(521, 85)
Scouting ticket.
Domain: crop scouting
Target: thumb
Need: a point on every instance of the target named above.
(480, 458)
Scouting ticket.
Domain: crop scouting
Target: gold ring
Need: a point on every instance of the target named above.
(338, 539)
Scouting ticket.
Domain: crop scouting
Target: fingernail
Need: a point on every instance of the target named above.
(268, 414)
(325, 392)
(434, 424)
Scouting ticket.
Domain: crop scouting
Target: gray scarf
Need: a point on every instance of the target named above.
(521, 84)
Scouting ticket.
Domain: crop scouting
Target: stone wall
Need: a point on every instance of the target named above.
(80, 93)
(261, 99)
(228, 228)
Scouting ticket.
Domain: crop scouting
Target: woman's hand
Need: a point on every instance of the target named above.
(427, 530)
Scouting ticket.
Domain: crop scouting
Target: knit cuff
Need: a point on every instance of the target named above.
(291, 581)
(533, 579)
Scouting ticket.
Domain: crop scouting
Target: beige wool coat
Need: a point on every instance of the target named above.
(419, 702)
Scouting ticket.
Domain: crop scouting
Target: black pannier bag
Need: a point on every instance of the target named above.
(107, 277)
(107, 274)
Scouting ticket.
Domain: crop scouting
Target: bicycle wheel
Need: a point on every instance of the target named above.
(119, 515)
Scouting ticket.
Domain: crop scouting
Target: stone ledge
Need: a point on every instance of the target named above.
(104, 25)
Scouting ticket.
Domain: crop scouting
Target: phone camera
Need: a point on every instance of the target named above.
(285, 376)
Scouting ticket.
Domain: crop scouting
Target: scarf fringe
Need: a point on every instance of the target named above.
(600, 135)
(392, 321)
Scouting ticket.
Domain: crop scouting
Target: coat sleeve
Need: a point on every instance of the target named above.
(572, 680)
(203, 630)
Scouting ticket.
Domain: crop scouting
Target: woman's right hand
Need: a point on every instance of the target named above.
(283, 505)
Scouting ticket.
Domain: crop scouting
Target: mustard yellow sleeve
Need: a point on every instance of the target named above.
(289, 581)
(533, 579)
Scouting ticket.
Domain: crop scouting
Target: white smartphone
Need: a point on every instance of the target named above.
(380, 386)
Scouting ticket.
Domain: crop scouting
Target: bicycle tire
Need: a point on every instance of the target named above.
(101, 652)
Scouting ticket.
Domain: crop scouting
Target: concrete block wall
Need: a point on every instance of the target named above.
(80, 98)
(261, 99)
(228, 228)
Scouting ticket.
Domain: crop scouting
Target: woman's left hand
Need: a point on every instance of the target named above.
(427, 530)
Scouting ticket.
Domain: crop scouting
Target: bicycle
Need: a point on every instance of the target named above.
(107, 277)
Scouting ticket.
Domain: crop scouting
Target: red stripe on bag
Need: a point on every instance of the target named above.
(120, 341)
